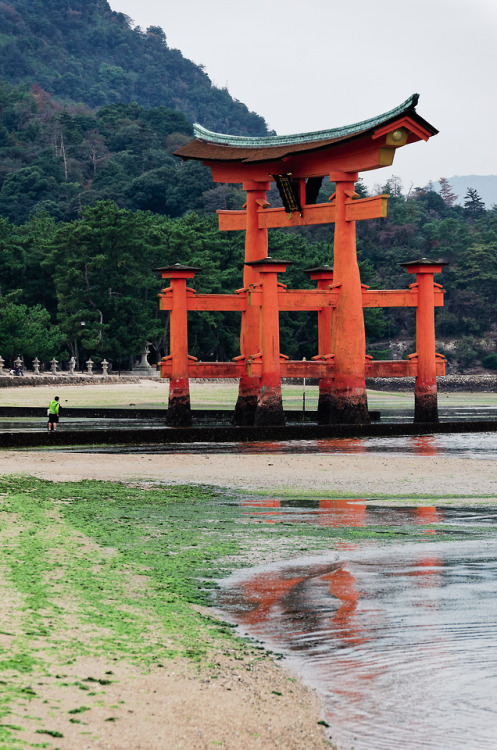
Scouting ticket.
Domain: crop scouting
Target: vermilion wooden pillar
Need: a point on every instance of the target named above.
(270, 405)
(425, 389)
(178, 410)
(256, 248)
(348, 403)
(324, 277)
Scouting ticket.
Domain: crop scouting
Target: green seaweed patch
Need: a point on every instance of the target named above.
(51, 732)
(289, 493)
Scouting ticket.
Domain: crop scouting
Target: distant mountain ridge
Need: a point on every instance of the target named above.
(83, 51)
(486, 185)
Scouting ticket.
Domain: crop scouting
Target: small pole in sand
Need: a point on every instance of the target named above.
(303, 395)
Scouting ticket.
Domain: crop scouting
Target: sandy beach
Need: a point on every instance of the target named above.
(353, 475)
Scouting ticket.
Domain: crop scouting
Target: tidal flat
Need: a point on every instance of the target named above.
(107, 592)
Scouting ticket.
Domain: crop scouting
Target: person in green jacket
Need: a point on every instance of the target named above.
(53, 414)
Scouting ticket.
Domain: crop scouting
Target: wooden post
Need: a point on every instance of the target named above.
(349, 401)
(270, 405)
(324, 277)
(178, 410)
(425, 389)
(256, 248)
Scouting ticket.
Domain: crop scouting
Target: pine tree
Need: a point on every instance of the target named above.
(448, 196)
(473, 203)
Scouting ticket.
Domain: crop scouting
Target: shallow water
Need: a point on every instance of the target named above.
(399, 640)
(482, 445)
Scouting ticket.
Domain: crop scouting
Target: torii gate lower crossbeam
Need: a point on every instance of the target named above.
(269, 366)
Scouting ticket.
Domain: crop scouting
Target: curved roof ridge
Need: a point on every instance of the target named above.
(269, 141)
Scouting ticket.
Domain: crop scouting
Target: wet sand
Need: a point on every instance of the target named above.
(237, 704)
(353, 475)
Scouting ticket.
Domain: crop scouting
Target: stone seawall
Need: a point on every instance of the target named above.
(445, 384)
(16, 381)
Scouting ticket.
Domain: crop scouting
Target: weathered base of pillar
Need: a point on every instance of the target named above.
(244, 414)
(425, 407)
(269, 407)
(349, 409)
(246, 405)
(324, 401)
(179, 413)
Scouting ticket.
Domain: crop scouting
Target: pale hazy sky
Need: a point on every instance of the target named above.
(312, 64)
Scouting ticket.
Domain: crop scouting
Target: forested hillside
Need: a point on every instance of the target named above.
(92, 200)
(82, 51)
(61, 159)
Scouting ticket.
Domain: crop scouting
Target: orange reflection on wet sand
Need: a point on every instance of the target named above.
(341, 445)
(425, 445)
(428, 574)
(265, 592)
(428, 514)
(262, 447)
(341, 512)
(269, 502)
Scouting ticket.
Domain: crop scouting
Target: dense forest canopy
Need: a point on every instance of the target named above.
(61, 159)
(82, 51)
(92, 200)
(93, 279)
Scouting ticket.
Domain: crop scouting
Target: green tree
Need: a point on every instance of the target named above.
(102, 266)
(473, 204)
(27, 331)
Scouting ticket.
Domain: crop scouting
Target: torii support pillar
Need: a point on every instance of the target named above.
(256, 248)
(178, 410)
(425, 389)
(324, 277)
(270, 404)
(349, 404)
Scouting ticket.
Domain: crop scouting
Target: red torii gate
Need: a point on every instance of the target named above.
(298, 164)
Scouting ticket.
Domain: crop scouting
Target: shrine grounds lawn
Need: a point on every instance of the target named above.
(149, 393)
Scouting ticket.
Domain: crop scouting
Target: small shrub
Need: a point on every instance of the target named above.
(490, 361)
(381, 353)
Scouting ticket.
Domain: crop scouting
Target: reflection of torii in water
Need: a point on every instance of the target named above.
(275, 590)
(287, 589)
(270, 590)
(288, 594)
(342, 585)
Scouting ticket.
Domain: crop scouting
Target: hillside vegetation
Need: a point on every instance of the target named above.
(60, 159)
(82, 51)
(92, 200)
(87, 286)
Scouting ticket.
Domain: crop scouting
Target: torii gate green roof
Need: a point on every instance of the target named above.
(220, 146)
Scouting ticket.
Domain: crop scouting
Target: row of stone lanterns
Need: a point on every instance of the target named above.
(18, 364)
